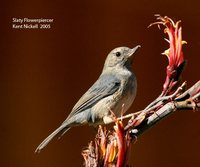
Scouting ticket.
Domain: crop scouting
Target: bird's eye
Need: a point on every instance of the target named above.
(118, 54)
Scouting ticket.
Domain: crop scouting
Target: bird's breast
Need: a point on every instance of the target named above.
(126, 94)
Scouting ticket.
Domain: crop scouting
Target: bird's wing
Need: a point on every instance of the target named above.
(103, 87)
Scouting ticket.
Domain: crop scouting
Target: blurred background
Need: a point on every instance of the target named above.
(44, 72)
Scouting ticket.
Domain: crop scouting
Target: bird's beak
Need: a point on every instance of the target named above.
(133, 50)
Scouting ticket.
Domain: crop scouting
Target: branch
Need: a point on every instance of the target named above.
(169, 108)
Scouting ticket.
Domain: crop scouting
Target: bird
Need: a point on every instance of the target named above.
(115, 87)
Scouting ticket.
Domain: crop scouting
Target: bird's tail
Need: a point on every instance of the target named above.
(61, 130)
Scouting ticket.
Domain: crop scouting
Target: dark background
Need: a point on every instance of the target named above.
(44, 72)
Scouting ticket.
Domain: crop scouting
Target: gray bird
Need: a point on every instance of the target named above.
(116, 87)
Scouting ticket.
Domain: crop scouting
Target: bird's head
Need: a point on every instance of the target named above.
(120, 57)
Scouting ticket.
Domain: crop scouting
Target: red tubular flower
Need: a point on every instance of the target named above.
(174, 53)
(116, 147)
(119, 128)
(110, 148)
